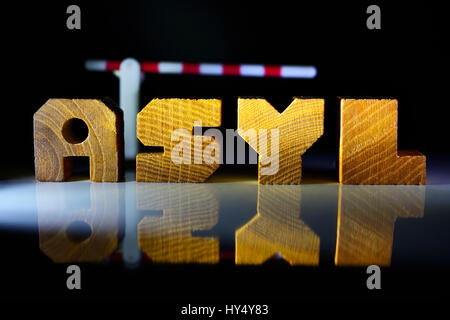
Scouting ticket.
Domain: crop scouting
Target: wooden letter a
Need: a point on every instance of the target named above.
(67, 128)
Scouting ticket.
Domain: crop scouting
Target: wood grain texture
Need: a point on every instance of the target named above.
(59, 222)
(366, 221)
(368, 145)
(300, 125)
(155, 124)
(277, 229)
(103, 145)
(185, 208)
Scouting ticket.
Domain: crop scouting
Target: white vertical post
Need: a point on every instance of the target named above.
(130, 81)
(131, 252)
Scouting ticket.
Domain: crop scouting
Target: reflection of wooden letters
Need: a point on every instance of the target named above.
(68, 234)
(299, 126)
(156, 124)
(366, 218)
(368, 146)
(66, 128)
(185, 208)
(277, 229)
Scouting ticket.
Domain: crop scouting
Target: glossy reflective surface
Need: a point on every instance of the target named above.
(238, 221)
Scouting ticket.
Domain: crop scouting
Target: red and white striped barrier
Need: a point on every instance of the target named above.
(130, 71)
(212, 69)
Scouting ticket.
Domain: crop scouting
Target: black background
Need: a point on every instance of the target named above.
(42, 59)
(403, 60)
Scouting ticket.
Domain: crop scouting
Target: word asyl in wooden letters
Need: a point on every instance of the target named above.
(367, 142)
